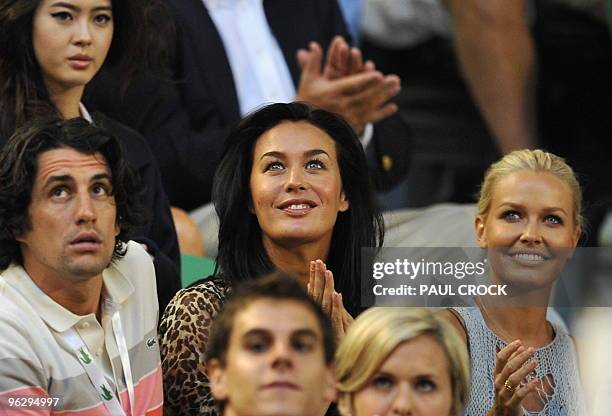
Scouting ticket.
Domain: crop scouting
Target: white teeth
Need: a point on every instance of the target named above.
(529, 257)
(299, 206)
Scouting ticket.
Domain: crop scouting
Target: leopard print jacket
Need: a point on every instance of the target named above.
(183, 336)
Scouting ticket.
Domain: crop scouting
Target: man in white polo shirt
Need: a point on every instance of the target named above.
(78, 307)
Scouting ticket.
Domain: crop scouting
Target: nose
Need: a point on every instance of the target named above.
(82, 36)
(85, 210)
(531, 233)
(281, 356)
(403, 403)
(296, 180)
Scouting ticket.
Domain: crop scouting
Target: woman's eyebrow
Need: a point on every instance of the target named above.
(315, 152)
(77, 8)
(276, 154)
(308, 153)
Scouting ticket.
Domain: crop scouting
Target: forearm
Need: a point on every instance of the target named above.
(497, 57)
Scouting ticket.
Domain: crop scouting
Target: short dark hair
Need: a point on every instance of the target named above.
(18, 168)
(241, 253)
(22, 92)
(275, 286)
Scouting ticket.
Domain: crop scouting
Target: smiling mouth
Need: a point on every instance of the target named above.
(529, 257)
(297, 208)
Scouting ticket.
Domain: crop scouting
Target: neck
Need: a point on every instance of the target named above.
(510, 323)
(67, 100)
(79, 297)
(295, 259)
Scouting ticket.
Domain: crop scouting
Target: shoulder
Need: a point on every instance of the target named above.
(136, 259)
(135, 267)
(191, 312)
(207, 297)
(138, 151)
(456, 320)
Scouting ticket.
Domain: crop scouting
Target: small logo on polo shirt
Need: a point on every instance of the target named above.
(84, 357)
(151, 343)
(106, 394)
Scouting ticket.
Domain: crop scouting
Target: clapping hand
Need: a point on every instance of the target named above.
(346, 85)
(511, 384)
(321, 289)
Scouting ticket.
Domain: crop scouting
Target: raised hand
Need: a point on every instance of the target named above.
(511, 384)
(346, 85)
(341, 60)
(321, 289)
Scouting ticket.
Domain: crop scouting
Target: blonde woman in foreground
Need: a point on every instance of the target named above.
(402, 361)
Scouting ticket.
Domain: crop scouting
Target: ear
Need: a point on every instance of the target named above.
(575, 239)
(344, 202)
(329, 393)
(577, 234)
(217, 379)
(479, 225)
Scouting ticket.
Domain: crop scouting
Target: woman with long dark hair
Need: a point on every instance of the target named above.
(49, 52)
(292, 193)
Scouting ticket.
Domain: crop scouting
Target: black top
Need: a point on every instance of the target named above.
(187, 120)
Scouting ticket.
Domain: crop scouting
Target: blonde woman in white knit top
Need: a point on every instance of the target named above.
(529, 221)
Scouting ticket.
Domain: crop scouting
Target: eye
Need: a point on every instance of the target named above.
(302, 344)
(553, 219)
(59, 192)
(100, 189)
(62, 16)
(315, 164)
(425, 385)
(102, 19)
(257, 346)
(274, 166)
(511, 215)
(383, 382)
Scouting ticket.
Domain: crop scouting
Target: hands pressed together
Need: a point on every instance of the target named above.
(321, 289)
(346, 85)
(512, 385)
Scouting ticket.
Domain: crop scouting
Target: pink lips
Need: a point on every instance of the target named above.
(281, 385)
(86, 241)
(79, 61)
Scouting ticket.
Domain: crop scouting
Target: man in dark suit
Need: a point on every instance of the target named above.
(186, 121)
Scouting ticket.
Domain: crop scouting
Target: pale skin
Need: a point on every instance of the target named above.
(346, 85)
(403, 385)
(71, 40)
(530, 211)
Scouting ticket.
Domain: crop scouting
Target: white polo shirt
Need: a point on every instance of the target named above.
(37, 361)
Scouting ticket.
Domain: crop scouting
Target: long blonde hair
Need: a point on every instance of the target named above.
(378, 331)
